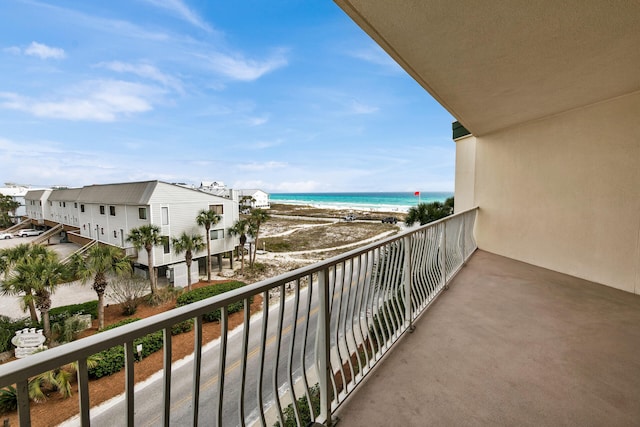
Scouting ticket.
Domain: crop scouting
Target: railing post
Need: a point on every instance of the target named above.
(443, 252)
(408, 280)
(323, 349)
(464, 239)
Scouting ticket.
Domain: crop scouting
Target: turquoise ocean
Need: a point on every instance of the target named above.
(375, 201)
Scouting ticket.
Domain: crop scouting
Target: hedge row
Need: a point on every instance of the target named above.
(210, 291)
(112, 360)
(59, 314)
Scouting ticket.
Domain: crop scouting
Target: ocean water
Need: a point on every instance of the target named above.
(375, 201)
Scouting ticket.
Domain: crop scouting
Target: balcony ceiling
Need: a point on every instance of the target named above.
(498, 63)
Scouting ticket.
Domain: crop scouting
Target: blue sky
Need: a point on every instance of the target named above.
(286, 96)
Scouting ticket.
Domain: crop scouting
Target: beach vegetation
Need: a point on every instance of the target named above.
(207, 218)
(147, 236)
(424, 213)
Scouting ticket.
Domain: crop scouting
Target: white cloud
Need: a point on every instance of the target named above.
(102, 100)
(43, 51)
(257, 121)
(239, 68)
(360, 108)
(146, 71)
(183, 12)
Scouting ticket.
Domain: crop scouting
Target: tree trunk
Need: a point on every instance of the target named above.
(100, 310)
(46, 324)
(188, 275)
(208, 255)
(152, 276)
(242, 262)
(32, 308)
(220, 262)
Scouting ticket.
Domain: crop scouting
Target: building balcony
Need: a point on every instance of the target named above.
(511, 344)
(418, 329)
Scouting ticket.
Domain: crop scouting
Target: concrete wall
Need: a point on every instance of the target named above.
(564, 192)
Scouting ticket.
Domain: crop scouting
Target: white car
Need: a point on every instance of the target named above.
(29, 232)
(6, 235)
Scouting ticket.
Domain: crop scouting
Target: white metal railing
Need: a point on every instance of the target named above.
(327, 324)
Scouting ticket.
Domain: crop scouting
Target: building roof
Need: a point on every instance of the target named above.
(499, 63)
(66, 194)
(35, 194)
(129, 193)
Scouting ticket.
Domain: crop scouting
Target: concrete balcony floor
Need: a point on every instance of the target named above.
(511, 344)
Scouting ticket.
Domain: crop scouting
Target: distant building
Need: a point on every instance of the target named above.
(254, 199)
(107, 213)
(17, 192)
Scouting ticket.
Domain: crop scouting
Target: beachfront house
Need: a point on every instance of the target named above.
(254, 198)
(537, 275)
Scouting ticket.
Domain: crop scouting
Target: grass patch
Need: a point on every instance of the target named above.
(326, 236)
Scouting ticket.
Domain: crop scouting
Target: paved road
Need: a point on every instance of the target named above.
(149, 394)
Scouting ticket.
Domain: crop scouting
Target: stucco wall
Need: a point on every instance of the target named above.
(564, 193)
(465, 173)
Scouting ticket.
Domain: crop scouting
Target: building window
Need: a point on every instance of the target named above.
(75, 205)
(81, 208)
(64, 204)
(219, 209)
(216, 234)
(40, 203)
(60, 204)
(50, 203)
(165, 244)
(165, 216)
(112, 210)
(142, 213)
(102, 231)
(115, 234)
(102, 210)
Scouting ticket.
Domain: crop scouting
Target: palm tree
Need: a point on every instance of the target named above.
(40, 272)
(207, 219)
(241, 228)
(10, 258)
(147, 236)
(98, 263)
(257, 217)
(425, 213)
(188, 243)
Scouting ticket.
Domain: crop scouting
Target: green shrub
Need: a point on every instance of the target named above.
(8, 400)
(210, 291)
(8, 328)
(58, 314)
(112, 360)
(303, 407)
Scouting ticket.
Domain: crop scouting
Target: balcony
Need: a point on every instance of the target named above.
(511, 344)
(507, 343)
